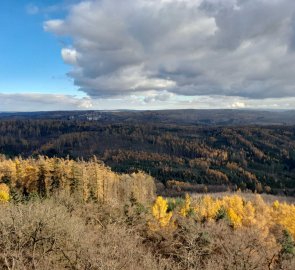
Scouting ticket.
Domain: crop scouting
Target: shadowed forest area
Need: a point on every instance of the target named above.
(209, 157)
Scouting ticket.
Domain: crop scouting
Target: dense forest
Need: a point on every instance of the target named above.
(258, 158)
(90, 181)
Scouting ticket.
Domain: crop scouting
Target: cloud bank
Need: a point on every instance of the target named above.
(242, 48)
(153, 100)
(42, 102)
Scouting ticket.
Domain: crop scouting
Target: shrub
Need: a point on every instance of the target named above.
(61, 233)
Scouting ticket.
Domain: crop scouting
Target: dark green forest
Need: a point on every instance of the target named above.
(254, 157)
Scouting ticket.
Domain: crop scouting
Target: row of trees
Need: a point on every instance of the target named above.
(90, 180)
(235, 209)
(228, 232)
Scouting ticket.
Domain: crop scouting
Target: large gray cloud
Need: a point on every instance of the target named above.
(186, 47)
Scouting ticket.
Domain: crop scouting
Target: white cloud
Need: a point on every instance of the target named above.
(154, 96)
(54, 25)
(154, 100)
(42, 102)
(242, 48)
(69, 56)
(238, 105)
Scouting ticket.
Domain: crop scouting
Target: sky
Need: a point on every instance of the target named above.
(147, 54)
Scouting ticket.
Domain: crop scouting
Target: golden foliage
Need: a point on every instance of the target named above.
(90, 180)
(4, 193)
(159, 211)
(252, 233)
(161, 218)
(284, 215)
(248, 214)
(206, 208)
(236, 210)
(234, 207)
(185, 210)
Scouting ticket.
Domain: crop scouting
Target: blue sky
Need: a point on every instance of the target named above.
(30, 57)
(110, 54)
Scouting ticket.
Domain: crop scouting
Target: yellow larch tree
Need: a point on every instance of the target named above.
(185, 210)
(4, 193)
(207, 208)
(284, 215)
(161, 218)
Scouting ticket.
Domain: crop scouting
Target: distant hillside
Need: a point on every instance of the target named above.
(183, 117)
(258, 158)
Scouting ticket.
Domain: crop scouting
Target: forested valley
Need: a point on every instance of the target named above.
(248, 157)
